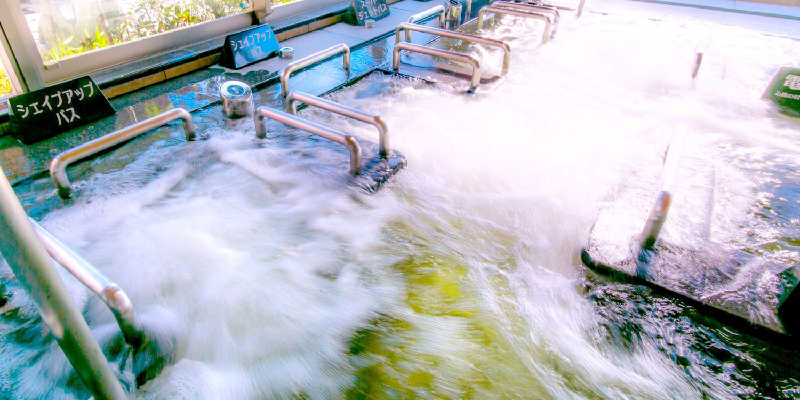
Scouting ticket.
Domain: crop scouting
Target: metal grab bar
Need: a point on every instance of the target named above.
(452, 55)
(420, 15)
(374, 120)
(457, 35)
(331, 134)
(115, 298)
(314, 58)
(34, 269)
(518, 13)
(535, 8)
(58, 167)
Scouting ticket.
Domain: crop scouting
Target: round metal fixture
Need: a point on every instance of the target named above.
(286, 52)
(237, 99)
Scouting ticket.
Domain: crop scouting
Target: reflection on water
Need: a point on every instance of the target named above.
(461, 278)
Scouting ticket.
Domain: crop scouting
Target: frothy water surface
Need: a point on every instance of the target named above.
(461, 278)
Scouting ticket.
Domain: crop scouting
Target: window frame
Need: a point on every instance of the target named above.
(10, 67)
(34, 74)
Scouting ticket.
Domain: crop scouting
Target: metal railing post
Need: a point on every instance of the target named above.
(457, 35)
(374, 120)
(476, 66)
(518, 13)
(534, 8)
(658, 214)
(112, 295)
(33, 268)
(423, 14)
(322, 131)
(314, 58)
(58, 167)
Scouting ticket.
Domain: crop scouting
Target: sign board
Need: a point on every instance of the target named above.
(250, 46)
(47, 112)
(785, 90)
(362, 10)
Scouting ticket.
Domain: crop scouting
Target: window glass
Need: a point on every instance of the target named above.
(5, 83)
(62, 28)
(279, 2)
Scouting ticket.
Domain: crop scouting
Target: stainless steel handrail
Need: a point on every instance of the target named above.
(115, 298)
(535, 8)
(58, 167)
(374, 120)
(314, 58)
(331, 134)
(578, 10)
(420, 15)
(34, 269)
(452, 55)
(518, 13)
(457, 35)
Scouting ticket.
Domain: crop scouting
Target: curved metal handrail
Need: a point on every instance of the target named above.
(115, 298)
(314, 58)
(420, 15)
(452, 55)
(58, 167)
(33, 268)
(374, 120)
(457, 35)
(518, 13)
(331, 134)
(535, 8)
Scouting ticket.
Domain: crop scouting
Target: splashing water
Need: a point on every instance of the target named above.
(460, 279)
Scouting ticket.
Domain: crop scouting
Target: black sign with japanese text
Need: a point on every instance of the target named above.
(362, 10)
(47, 112)
(253, 45)
(785, 90)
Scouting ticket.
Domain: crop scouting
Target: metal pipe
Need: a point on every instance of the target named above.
(33, 268)
(697, 61)
(58, 167)
(518, 13)
(655, 220)
(451, 55)
(314, 58)
(535, 8)
(457, 35)
(420, 15)
(115, 298)
(374, 120)
(331, 134)
(580, 8)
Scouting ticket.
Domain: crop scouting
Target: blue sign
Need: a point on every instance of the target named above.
(250, 46)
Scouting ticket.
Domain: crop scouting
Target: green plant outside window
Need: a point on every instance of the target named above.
(5, 83)
(63, 28)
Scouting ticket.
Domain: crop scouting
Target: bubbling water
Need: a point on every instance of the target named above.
(461, 277)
